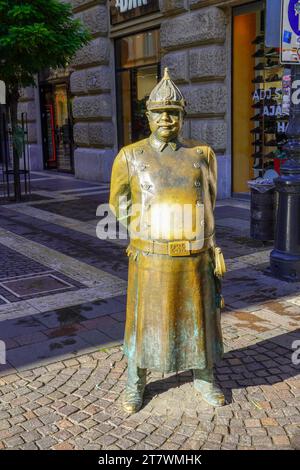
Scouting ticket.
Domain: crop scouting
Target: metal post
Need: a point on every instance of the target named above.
(24, 152)
(285, 258)
(6, 154)
(27, 154)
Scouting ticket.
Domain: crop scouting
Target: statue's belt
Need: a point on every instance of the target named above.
(173, 248)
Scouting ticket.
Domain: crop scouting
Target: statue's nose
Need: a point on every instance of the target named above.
(165, 116)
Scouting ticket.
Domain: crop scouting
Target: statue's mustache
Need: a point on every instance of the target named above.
(165, 125)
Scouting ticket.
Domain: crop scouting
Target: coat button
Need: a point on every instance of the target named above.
(146, 186)
(199, 204)
(200, 151)
(139, 151)
(197, 184)
(143, 167)
(197, 164)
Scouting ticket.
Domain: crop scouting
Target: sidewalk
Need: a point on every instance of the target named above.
(62, 313)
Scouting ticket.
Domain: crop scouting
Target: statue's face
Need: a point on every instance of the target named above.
(165, 124)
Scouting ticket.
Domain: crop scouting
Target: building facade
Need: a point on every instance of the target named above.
(79, 118)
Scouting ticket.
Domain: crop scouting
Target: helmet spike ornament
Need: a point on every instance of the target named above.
(166, 95)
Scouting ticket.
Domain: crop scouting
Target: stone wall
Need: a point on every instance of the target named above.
(193, 42)
(193, 45)
(91, 84)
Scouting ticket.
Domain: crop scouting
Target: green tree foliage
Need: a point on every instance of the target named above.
(34, 35)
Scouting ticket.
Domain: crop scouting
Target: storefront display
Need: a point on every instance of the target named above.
(262, 85)
(269, 118)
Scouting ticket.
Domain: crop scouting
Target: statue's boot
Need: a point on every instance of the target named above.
(134, 392)
(204, 383)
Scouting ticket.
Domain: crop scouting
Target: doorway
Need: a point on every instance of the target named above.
(246, 27)
(57, 127)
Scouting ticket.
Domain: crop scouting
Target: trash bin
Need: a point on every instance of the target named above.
(262, 223)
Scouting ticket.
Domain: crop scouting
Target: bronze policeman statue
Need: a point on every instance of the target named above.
(175, 269)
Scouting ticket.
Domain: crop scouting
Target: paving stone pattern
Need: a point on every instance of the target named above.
(84, 211)
(63, 383)
(14, 264)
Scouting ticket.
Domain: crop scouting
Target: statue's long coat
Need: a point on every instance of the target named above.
(173, 314)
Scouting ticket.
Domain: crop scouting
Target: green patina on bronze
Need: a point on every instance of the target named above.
(173, 301)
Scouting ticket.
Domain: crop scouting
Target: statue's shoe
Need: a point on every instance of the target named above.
(210, 392)
(132, 401)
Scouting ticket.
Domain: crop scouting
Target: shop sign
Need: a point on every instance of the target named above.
(2, 92)
(262, 96)
(266, 94)
(290, 32)
(124, 10)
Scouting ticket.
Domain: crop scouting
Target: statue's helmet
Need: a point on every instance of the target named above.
(166, 95)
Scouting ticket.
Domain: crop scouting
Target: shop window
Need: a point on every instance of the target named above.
(260, 100)
(137, 62)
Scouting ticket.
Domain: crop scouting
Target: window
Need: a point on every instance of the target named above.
(137, 61)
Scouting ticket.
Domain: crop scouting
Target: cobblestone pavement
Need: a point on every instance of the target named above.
(62, 312)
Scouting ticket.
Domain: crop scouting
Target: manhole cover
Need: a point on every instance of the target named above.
(36, 285)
